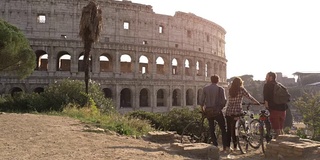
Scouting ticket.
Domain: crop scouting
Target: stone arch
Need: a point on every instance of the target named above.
(208, 69)
(144, 99)
(176, 97)
(125, 63)
(187, 68)
(15, 90)
(160, 65)
(175, 66)
(143, 64)
(199, 68)
(38, 90)
(199, 95)
(42, 60)
(220, 71)
(223, 73)
(189, 97)
(106, 64)
(63, 61)
(107, 92)
(161, 98)
(215, 68)
(125, 98)
(81, 63)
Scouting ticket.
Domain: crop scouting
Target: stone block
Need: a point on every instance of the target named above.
(288, 137)
(272, 146)
(287, 145)
(161, 137)
(298, 148)
(203, 150)
(180, 146)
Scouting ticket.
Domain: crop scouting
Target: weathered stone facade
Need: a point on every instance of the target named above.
(144, 60)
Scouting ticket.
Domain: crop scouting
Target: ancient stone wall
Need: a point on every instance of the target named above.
(143, 60)
(292, 147)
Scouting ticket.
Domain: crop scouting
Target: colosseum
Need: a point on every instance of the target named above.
(143, 60)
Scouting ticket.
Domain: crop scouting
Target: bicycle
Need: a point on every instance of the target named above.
(244, 135)
(198, 131)
(262, 128)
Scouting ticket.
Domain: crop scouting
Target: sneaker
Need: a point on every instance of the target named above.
(235, 149)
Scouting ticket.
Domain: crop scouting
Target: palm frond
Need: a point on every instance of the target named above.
(91, 22)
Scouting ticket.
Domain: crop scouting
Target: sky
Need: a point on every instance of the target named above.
(262, 35)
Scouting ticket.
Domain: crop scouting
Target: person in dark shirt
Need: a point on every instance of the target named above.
(209, 99)
(277, 111)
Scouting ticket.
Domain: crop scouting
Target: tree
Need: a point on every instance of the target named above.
(90, 27)
(17, 57)
(309, 106)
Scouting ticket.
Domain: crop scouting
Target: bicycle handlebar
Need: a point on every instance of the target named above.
(250, 104)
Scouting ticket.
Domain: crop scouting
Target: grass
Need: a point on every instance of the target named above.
(110, 121)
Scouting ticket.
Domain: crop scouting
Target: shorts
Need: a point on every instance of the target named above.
(277, 119)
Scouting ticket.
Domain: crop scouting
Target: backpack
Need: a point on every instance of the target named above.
(280, 94)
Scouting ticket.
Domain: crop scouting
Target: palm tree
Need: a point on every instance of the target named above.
(90, 27)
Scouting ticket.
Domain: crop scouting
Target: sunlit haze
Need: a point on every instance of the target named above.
(262, 36)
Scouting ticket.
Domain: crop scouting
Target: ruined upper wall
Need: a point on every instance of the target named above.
(184, 31)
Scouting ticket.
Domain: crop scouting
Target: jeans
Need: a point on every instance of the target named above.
(222, 125)
(231, 125)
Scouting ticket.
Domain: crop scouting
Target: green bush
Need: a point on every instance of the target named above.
(286, 130)
(56, 97)
(301, 133)
(123, 125)
(175, 120)
(21, 102)
(153, 118)
(67, 91)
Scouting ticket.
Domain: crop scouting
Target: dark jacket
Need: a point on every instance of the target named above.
(268, 96)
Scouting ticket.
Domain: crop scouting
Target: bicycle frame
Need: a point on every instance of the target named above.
(247, 135)
(245, 122)
(263, 128)
(242, 125)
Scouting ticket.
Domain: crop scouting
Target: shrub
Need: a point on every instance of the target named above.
(56, 97)
(177, 119)
(61, 93)
(123, 125)
(301, 133)
(153, 118)
(21, 102)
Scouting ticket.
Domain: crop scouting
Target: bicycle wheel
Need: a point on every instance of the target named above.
(254, 134)
(263, 132)
(242, 138)
(195, 132)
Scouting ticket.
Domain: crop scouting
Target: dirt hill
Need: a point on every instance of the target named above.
(30, 136)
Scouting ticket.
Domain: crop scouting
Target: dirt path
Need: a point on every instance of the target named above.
(30, 136)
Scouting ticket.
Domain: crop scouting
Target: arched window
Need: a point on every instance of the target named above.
(125, 98)
(160, 65)
(105, 63)
(143, 64)
(125, 62)
(174, 66)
